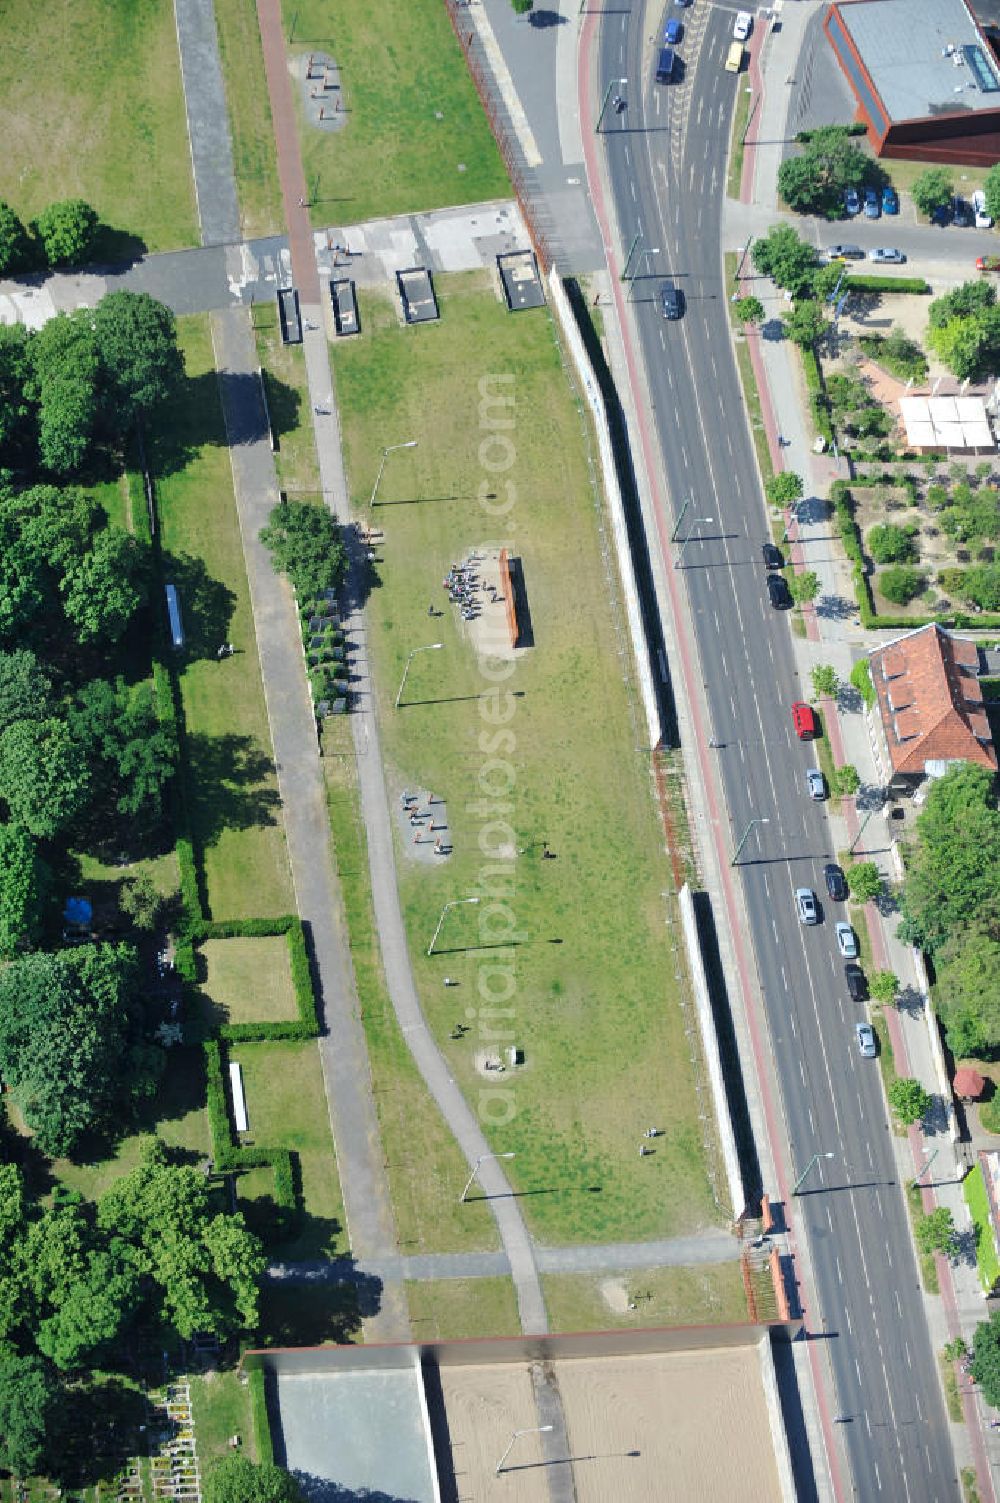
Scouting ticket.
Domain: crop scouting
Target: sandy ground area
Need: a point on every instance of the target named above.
(655, 1427)
(485, 1405)
(641, 1429)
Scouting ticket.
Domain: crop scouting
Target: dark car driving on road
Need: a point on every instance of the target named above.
(777, 589)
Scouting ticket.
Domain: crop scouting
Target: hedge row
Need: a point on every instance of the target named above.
(864, 283)
(306, 1026)
(856, 128)
(850, 535)
(258, 1415)
(229, 1156)
(817, 394)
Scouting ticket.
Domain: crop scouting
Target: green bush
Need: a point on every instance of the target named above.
(887, 284)
(901, 583)
(982, 586)
(861, 678)
(989, 1114)
(889, 544)
(818, 400)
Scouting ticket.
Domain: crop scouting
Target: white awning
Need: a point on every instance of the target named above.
(946, 423)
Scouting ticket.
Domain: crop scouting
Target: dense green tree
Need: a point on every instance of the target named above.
(953, 869)
(141, 364)
(65, 373)
(67, 231)
(962, 302)
(784, 488)
(237, 1479)
(965, 329)
(25, 689)
(991, 188)
(206, 1266)
(14, 1302)
(141, 902)
(83, 1292)
(804, 587)
(889, 544)
(981, 586)
(864, 881)
(788, 260)
(935, 1232)
(900, 583)
(24, 884)
(814, 182)
(31, 1407)
(71, 1043)
(932, 190)
(304, 542)
(968, 982)
(130, 755)
(806, 323)
(825, 683)
(908, 1099)
(16, 408)
(42, 778)
(884, 987)
(985, 1365)
(104, 587)
(861, 679)
(15, 247)
(749, 310)
(846, 780)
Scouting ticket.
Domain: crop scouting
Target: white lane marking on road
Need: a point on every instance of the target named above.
(899, 1303)
(878, 1479)
(840, 1273)
(631, 189)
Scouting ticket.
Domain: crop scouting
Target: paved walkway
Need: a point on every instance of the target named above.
(207, 122)
(614, 1257)
(344, 1057)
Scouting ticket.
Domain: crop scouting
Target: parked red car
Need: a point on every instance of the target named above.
(988, 263)
(804, 721)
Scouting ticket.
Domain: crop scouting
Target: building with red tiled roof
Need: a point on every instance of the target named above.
(930, 704)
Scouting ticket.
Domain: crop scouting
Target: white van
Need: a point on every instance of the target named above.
(983, 220)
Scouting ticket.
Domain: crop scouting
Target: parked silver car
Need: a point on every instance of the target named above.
(805, 905)
(815, 783)
(865, 1034)
(847, 941)
(887, 255)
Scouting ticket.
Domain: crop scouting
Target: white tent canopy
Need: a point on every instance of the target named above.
(946, 423)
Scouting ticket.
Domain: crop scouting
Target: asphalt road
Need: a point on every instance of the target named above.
(667, 157)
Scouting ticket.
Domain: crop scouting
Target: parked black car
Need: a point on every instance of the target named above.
(777, 588)
(836, 882)
(857, 983)
(772, 556)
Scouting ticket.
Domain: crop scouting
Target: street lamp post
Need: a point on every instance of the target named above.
(538, 1430)
(636, 240)
(928, 1161)
(811, 1165)
(655, 251)
(864, 823)
(431, 647)
(481, 1160)
(765, 820)
(621, 82)
(411, 443)
(455, 903)
(680, 519)
(697, 522)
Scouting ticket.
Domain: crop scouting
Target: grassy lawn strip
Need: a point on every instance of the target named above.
(284, 368)
(426, 1168)
(925, 1261)
(710, 1294)
(231, 786)
(220, 1407)
(952, 1398)
(749, 383)
(250, 125)
(249, 980)
(741, 114)
(416, 137)
(594, 1003)
(974, 1190)
(91, 107)
(286, 1108)
(449, 1310)
(970, 1487)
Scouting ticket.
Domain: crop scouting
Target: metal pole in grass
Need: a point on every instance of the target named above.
(481, 1160)
(411, 443)
(431, 647)
(455, 903)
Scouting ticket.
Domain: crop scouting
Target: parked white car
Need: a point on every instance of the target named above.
(743, 25)
(983, 220)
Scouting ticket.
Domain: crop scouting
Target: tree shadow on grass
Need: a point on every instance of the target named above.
(310, 1312)
(191, 421)
(179, 1093)
(102, 1428)
(206, 604)
(115, 249)
(284, 405)
(229, 779)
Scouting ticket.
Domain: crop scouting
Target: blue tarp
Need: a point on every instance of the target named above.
(78, 913)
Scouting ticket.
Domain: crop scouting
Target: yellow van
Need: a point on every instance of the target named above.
(734, 58)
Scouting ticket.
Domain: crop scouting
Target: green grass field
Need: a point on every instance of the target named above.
(91, 107)
(594, 1004)
(426, 1168)
(250, 980)
(416, 136)
(286, 1108)
(449, 1309)
(250, 125)
(220, 1406)
(710, 1294)
(230, 781)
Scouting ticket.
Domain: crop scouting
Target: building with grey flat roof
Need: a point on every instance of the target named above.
(925, 76)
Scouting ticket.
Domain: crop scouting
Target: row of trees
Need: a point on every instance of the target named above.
(951, 905)
(75, 1278)
(83, 378)
(63, 235)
